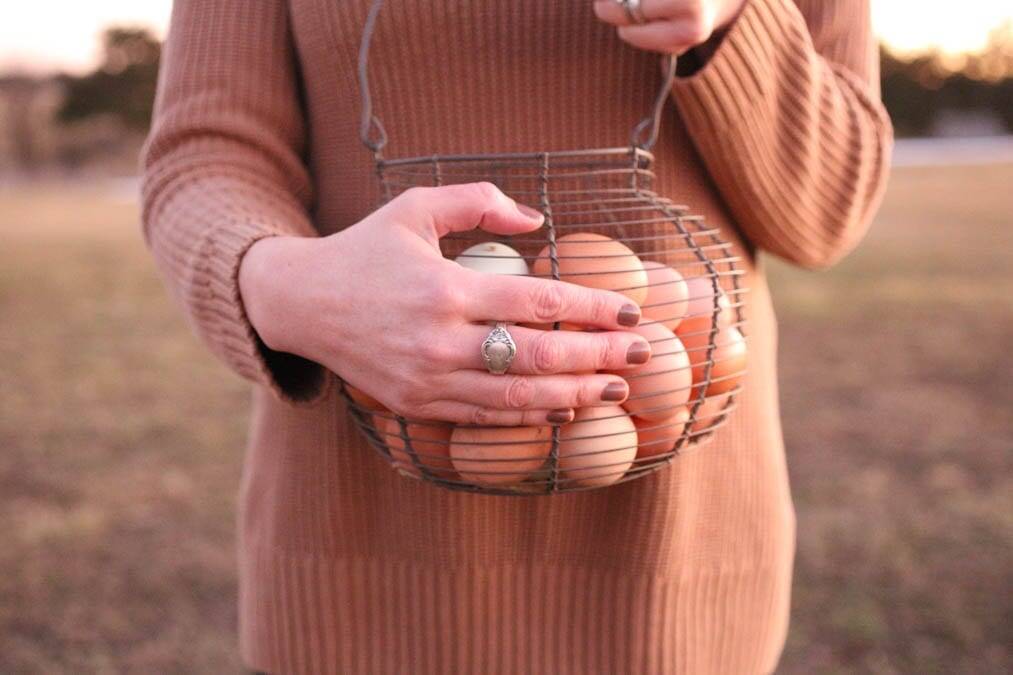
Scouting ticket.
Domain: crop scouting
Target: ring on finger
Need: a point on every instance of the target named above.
(633, 10)
(499, 350)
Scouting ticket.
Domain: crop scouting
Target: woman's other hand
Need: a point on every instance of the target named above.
(670, 26)
(379, 305)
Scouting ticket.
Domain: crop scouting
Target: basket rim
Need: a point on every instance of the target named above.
(520, 156)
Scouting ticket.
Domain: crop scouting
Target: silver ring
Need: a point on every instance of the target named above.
(633, 11)
(499, 350)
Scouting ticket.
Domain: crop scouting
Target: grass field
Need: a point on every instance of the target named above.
(121, 441)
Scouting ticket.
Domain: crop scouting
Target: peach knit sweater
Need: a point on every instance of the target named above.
(347, 567)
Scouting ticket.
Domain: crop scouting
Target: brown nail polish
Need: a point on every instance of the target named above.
(560, 416)
(629, 315)
(615, 392)
(529, 212)
(638, 353)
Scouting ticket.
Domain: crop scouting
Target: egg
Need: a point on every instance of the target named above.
(596, 261)
(667, 295)
(699, 316)
(492, 257)
(364, 400)
(430, 442)
(663, 384)
(499, 455)
(659, 437)
(598, 447)
(729, 356)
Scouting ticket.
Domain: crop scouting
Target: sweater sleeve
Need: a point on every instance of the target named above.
(787, 117)
(223, 169)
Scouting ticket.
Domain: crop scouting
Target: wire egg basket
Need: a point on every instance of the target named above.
(607, 228)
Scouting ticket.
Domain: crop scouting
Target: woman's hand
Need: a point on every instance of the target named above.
(671, 26)
(379, 305)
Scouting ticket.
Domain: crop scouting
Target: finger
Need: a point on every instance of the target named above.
(456, 208)
(550, 352)
(530, 300)
(667, 37)
(612, 12)
(470, 413)
(531, 392)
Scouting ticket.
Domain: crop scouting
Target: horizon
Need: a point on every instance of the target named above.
(30, 42)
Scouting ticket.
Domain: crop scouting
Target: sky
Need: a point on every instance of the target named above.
(47, 35)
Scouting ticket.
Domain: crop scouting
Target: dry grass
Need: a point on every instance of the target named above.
(121, 444)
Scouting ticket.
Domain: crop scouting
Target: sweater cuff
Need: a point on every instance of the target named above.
(290, 377)
(742, 71)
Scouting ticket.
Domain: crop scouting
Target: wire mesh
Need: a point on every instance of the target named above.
(605, 227)
(692, 316)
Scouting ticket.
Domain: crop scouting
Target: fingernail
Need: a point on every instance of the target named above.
(615, 392)
(560, 416)
(629, 315)
(638, 353)
(528, 212)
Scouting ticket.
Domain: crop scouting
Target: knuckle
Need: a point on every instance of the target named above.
(414, 196)
(486, 191)
(442, 296)
(433, 353)
(600, 308)
(400, 404)
(481, 415)
(547, 301)
(696, 29)
(428, 411)
(584, 393)
(518, 393)
(411, 396)
(545, 354)
(606, 349)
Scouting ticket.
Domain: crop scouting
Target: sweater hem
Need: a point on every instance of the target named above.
(303, 613)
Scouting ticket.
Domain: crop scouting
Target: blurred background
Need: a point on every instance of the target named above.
(121, 439)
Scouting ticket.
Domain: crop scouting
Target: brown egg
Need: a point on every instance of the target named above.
(430, 442)
(658, 438)
(363, 399)
(598, 447)
(499, 455)
(700, 310)
(729, 357)
(596, 261)
(667, 294)
(661, 385)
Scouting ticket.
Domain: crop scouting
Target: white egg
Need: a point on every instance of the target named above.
(493, 257)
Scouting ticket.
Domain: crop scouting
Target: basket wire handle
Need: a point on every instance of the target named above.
(374, 136)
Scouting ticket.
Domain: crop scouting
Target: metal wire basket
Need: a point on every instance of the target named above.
(604, 227)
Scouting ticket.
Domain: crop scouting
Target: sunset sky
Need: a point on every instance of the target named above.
(44, 35)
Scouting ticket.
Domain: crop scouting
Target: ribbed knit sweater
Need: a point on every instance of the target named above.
(345, 566)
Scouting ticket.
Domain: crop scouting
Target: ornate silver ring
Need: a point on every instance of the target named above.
(633, 11)
(498, 350)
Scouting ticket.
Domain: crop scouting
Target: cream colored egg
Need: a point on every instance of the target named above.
(499, 455)
(493, 257)
(596, 261)
(598, 447)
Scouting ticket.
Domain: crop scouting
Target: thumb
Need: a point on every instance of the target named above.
(457, 208)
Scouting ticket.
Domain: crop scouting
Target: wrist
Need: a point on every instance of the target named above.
(265, 283)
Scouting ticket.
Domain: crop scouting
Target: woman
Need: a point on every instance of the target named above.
(257, 208)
